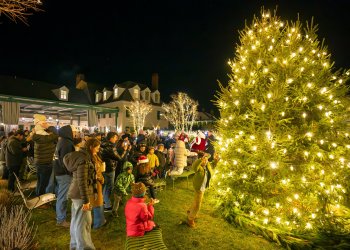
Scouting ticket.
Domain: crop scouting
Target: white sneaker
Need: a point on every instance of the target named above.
(156, 201)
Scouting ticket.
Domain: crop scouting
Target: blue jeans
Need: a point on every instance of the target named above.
(80, 227)
(99, 217)
(43, 172)
(51, 186)
(107, 188)
(63, 183)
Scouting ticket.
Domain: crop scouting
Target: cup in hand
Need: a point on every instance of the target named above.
(103, 167)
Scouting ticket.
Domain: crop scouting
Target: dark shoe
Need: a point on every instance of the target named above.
(108, 209)
(64, 224)
(115, 214)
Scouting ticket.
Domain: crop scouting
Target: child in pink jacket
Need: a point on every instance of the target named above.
(139, 215)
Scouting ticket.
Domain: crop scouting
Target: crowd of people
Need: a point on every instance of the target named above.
(97, 171)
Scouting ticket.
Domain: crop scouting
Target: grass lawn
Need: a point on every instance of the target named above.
(212, 232)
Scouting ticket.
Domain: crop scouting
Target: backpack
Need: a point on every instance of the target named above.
(3, 150)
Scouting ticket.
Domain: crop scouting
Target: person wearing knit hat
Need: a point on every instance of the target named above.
(40, 124)
(139, 215)
(45, 139)
(144, 175)
(124, 180)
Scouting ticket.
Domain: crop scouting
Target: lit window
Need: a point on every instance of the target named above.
(105, 95)
(156, 98)
(97, 98)
(63, 94)
(136, 94)
(147, 96)
(115, 92)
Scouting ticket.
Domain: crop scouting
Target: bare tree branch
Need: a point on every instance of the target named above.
(19, 10)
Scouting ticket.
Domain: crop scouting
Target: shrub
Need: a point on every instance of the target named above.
(15, 231)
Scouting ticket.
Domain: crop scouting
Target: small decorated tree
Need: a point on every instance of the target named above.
(138, 112)
(181, 112)
(283, 133)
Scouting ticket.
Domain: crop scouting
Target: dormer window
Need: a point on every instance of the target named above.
(97, 99)
(147, 95)
(63, 95)
(156, 98)
(115, 92)
(136, 94)
(105, 95)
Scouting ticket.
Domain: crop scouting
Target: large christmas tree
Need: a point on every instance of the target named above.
(282, 132)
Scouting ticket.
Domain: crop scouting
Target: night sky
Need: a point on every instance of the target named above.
(187, 42)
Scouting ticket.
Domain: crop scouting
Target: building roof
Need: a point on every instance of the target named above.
(16, 86)
(125, 96)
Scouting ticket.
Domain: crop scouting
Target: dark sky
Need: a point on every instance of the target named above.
(187, 42)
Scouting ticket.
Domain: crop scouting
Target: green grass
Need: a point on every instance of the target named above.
(212, 232)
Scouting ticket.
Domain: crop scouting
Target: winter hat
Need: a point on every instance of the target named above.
(142, 159)
(74, 128)
(39, 118)
(126, 165)
(138, 190)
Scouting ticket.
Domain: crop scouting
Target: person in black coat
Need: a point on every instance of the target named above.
(14, 154)
(63, 178)
(111, 157)
(161, 154)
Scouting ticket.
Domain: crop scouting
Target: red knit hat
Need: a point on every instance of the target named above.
(142, 159)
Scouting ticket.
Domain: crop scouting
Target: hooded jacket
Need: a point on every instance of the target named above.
(64, 146)
(14, 154)
(123, 182)
(84, 182)
(181, 154)
(138, 216)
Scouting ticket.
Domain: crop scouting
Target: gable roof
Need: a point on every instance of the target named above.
(16, 86)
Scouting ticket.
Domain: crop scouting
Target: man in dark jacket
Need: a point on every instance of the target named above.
(14, 154)
(64, 146)
(161, 154)
(110, 156)
(44, 148)
(3, 145)
(210, 145)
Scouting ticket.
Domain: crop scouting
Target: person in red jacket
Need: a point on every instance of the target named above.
(138, 214)
(198, 143)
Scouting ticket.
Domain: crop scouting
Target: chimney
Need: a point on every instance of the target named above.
(80, 81)
(155, 80)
